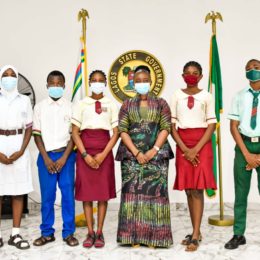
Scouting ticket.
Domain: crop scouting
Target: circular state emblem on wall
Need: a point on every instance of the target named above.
(121, 74)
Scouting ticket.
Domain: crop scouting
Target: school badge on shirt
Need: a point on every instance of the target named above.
(24, 114)
(121, 74)
(67, 118)
(104, 109)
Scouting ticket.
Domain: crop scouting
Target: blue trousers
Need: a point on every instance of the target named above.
(48, 184)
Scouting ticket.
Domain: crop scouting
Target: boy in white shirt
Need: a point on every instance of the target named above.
(56, 160)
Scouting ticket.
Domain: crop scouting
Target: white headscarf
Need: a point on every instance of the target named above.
(14, 92)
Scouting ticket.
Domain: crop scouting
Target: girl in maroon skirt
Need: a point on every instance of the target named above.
(92, 119)
(193, 123)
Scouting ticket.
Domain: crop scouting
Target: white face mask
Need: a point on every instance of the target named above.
(142, 88)
(9, 83)
(97, 87)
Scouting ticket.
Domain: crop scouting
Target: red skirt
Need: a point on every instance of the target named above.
(187, 175)
(95, 184)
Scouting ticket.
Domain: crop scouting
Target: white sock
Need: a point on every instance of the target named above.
(15, 231)
(0, 234)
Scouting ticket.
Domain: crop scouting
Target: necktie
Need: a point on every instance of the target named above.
(190, 102)
(98, 109)
(254, 108)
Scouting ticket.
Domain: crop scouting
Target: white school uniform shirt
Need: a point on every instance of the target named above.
(200, 116)
(15, 113)
(51, 120)
(85, 117)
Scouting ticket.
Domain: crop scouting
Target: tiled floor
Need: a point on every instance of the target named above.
(211, 247)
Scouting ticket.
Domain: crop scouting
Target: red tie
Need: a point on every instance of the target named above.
(98, 107)
(190, 102)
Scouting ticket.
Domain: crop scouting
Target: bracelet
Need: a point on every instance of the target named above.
(83, 155)
(137, 153)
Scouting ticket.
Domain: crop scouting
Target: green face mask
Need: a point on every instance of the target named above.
(253, 75)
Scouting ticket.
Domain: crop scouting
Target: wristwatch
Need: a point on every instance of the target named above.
(83, 155)
(156, 148)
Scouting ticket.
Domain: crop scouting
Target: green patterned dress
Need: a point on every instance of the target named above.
(144, 215)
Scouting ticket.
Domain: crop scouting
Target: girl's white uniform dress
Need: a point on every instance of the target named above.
(15, 113)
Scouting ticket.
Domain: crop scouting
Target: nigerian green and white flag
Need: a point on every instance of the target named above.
(215, 87)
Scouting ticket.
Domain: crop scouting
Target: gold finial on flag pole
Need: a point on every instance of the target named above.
(83, 15)
(213, 16)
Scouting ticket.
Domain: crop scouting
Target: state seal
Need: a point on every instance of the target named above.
(121, 74)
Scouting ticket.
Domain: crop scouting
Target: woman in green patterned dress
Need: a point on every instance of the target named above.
(144, 152)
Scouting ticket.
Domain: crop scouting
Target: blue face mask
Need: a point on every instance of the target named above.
(55, 92)
(253, 75)
(142, 88)
(9, 83)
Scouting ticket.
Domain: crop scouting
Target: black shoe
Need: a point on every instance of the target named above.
(235, 242)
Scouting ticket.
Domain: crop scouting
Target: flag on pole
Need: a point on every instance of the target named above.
(79, 90)
(215, 87)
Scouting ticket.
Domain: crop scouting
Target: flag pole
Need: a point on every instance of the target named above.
(221, 202)
(221, 219)
(83, 15)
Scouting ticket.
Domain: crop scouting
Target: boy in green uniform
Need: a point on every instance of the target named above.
(245, 129)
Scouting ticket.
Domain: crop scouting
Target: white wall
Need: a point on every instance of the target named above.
(39, 36)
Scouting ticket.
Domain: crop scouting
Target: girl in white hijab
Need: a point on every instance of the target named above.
(15, 134)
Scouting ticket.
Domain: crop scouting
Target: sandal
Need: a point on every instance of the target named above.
(100, 241)
(188, 238)
(71, 240)
(42, 240)
(1, 242)
(19, 243)
(89, 241)
(193, 246)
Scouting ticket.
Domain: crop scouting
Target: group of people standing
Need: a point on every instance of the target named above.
(143, 124)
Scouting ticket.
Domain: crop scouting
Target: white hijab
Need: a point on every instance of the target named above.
(14, 92)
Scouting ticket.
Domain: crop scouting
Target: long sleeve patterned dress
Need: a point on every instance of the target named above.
(144, 216)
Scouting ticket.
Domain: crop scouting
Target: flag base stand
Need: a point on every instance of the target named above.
(221, 222)
(80, 219)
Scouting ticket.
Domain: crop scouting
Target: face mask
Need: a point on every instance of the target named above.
(9, 83)
(55, 92)
(253, 75)
(191, 80)
(97, 87)
(142, 88)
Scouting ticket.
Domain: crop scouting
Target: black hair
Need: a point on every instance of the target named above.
(258, 61)
(142, 67)
(97, 71)
(56, 73)
(193, 64)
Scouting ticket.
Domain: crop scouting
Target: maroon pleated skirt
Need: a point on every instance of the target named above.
(189, 176)
(95, 184)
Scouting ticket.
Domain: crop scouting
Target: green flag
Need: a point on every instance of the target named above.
(215, 87)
